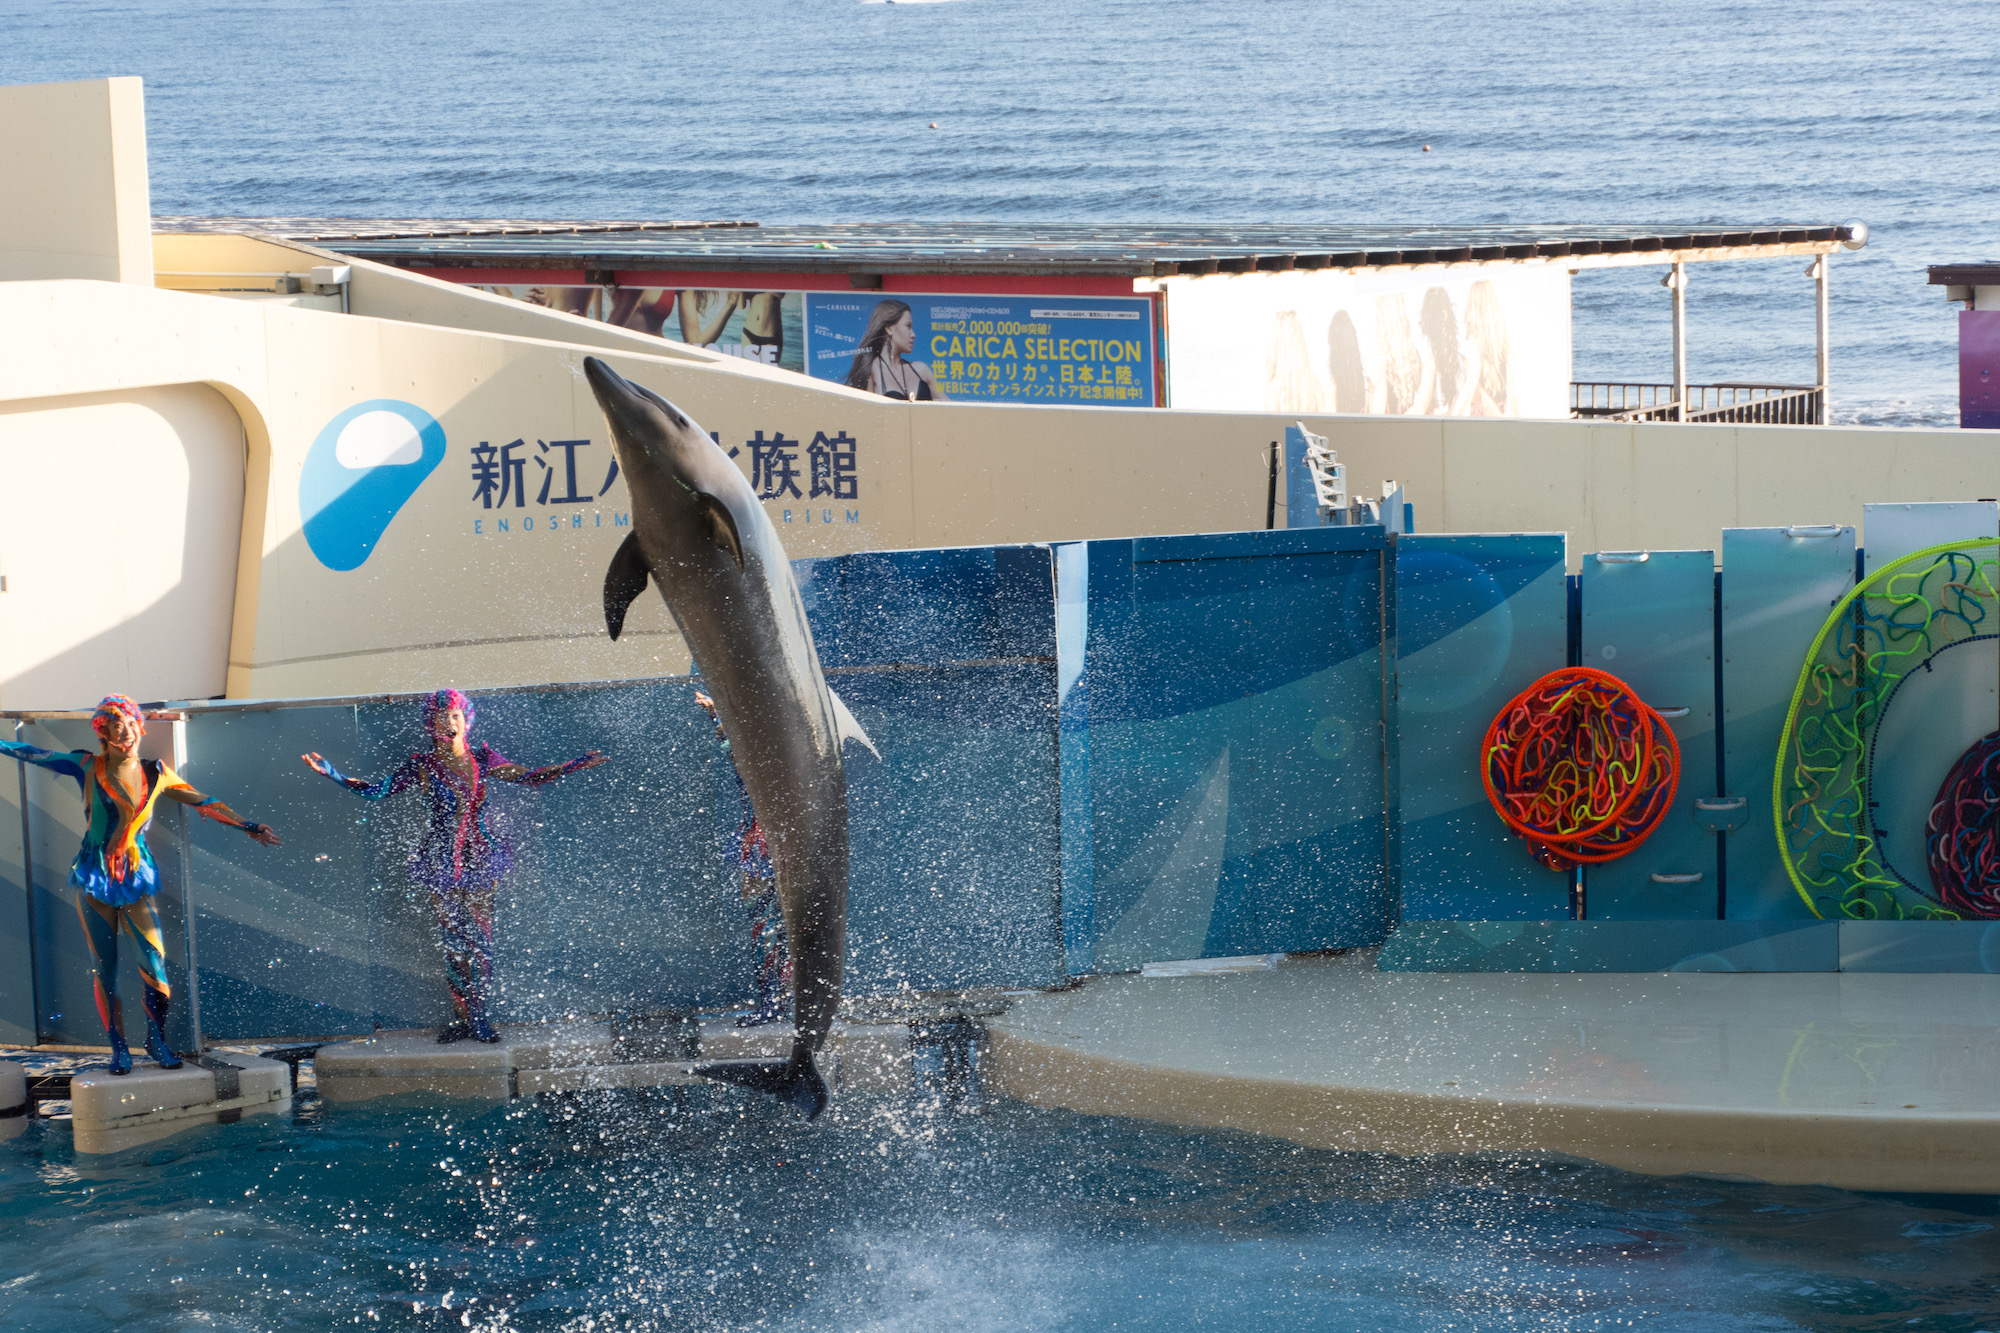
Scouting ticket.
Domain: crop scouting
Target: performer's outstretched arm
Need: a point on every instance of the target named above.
(211, 807)
(69, 763)
(526, 777)
(401, 780)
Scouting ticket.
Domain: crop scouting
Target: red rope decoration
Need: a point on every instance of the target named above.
(1580, 767)
(1960, 845)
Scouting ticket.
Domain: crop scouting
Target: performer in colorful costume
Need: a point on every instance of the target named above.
(458, 860)
(114, 873)
(745, 851)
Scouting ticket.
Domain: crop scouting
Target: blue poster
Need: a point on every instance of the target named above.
(1093, 350)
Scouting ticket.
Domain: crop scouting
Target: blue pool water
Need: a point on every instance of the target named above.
(1626, 111)
(704, 1209)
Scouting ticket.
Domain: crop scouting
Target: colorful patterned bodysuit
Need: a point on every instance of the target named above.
(458, 860)
(114, 872)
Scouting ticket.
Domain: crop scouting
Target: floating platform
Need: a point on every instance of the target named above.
(14, 1106)
(112, 1112)
(660, 1051)
(1861, 1080)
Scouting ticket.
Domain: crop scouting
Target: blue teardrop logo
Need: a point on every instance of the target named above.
(364, 466)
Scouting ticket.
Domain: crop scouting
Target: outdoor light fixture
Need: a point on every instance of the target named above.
(1857, 233)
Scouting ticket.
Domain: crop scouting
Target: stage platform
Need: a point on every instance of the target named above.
(533, 1058)
(1863, 1080)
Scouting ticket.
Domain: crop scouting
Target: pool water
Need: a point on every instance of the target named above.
(706, 1208)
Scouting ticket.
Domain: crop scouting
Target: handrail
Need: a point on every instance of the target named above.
(1735, 401)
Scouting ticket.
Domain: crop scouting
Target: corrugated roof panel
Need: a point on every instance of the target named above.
(929, 247)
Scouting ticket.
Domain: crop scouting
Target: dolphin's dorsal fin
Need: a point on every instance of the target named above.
(722, 526)
(623, 583)
(846, 727)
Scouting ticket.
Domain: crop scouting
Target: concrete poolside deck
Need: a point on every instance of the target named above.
(1866, 1081)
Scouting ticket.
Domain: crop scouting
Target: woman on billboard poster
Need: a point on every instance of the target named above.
(705, 313)
(881, 362)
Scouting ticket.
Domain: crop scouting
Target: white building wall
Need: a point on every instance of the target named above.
(120, 546)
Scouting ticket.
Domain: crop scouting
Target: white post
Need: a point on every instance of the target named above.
(1825, 343)
(1678, 281)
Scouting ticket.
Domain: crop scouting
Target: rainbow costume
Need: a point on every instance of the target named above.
(114, 873)
(458, 858)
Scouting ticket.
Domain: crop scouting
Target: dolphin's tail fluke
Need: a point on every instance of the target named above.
(796, 1081)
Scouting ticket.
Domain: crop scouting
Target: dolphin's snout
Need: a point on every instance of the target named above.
(623, 401)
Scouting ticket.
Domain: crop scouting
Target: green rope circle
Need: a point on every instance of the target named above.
(1889, 625)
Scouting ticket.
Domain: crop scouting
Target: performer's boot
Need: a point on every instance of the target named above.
(156, 1030)
(474, 1008)
(121, 1055)
(476, 1019)
(107, 1011)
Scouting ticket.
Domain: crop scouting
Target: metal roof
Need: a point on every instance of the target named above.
(376, 229)
(982, 247)
(1979, 273)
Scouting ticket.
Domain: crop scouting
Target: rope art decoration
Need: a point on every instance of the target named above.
(1959, 841)
(1889, 630)
(1580, 767)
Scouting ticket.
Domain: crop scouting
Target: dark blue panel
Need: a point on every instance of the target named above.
(954, 831)
(1235, 745)
(17, 973)
(955, 605)
(619, 896)
(1235, 545)
(1651, 623)
(1778, 587)
(1478, 618)
(1442, 587)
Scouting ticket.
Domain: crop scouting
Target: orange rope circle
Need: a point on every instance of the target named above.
(1580, 767)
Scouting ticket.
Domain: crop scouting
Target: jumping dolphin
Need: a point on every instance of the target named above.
(700, 534)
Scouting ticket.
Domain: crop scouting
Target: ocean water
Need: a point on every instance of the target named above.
(706, 1209)
(1639, 111)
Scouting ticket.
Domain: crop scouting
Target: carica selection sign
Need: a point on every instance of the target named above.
(1091, 350)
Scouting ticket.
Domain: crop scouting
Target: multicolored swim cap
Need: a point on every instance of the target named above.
(116, 704)
(443, 702)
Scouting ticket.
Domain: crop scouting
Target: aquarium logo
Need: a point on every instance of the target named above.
(364, 466)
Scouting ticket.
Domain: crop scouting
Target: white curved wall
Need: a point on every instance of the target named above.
(122, 519)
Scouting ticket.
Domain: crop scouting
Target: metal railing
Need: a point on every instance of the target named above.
(1749, 404)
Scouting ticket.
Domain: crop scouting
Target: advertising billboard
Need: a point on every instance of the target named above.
(1074, 350)
(755, 325)
(1483, 341)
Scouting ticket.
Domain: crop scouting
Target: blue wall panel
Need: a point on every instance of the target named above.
(619, 898)
(1478, 619)
(1778, 586)
(1651, 623)
(1235, 746)
(17, 977)
(948, 659)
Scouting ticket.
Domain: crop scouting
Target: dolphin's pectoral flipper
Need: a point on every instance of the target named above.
(623, 583)
(796, 1081)
(846, 726)
(722, 526)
